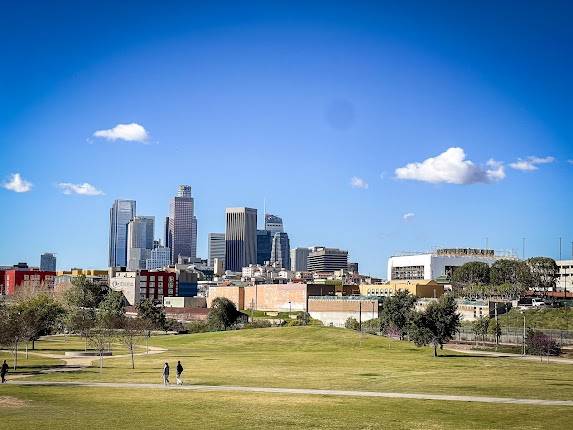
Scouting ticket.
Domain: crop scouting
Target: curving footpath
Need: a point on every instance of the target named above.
(305, 391)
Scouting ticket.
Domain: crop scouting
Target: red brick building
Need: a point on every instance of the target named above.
(17, 278)
(145, 284)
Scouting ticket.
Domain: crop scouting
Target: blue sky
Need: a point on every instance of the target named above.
(373, 127)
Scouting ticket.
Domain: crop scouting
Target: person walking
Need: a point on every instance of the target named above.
(166, 374)
(178, 373)
(4, 371)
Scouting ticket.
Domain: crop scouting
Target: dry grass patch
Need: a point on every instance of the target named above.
(11, 402)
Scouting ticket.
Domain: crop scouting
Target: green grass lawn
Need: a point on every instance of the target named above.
(31, 365)
(558, 319)
(330, 358)
(77, 407)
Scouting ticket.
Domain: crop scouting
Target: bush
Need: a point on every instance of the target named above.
(538, 343)
(352, 324)
(197, 327)
(258, 324)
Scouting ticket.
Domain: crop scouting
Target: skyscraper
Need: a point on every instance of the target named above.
(120, 214)
(299, 259)
(274, 224)
(216, 246)
(158, 257)
(182, 225)
(47, 262)
(264, 246)
(280, 252)
(240, 238)
(140, 233)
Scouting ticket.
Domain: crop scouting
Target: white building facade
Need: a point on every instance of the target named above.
(433, 265)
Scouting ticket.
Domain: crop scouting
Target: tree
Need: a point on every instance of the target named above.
(479, 328)
(81, 321)
(352, 324)
(39, 315)
(131, 330)
(538, 343)
(110, 310)
(223, 314)
(100, 339)
(473, 272)
(153, 315)
(396, 313)
(11, 332)
(544, 270)
(83, 293)
(436, 325)
(494, 328)
(512, 272)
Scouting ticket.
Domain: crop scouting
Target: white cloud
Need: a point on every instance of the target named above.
(530, 163)
(84, 189)
(17, 184)
(451, 167)
(408, 216)
(129, 132)
(357, 182)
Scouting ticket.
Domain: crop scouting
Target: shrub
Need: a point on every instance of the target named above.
(352, 324)
(258, 324)
(538, 343)
(197, 327)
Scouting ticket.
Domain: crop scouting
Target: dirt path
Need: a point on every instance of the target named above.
(466, 349)
(305, 391)
(73, 364)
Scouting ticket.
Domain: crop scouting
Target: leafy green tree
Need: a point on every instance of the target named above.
(544, 270)
(474, 272)
(111, 312)
(81, 321)
(11, 330)
(223, 314)
(396, 313)
(436, 325)
(39, 314)
(494, 328)
(153, 315)
(479, 328)
(352, 323)
(511, 272)
(83, 293)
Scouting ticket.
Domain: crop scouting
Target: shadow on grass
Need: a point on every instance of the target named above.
(470, 356)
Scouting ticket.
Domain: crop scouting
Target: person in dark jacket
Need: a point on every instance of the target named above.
(178, 374)
(4, 371)
(166, 374)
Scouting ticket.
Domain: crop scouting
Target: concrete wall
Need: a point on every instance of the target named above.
(235, 294)
(276, 297)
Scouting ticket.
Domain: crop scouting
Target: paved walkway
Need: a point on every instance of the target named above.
(305, 391)
(466, 349)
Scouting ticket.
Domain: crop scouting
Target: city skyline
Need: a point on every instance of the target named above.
(400, 129)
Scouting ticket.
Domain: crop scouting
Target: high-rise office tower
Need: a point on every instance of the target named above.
(240, 238)
(216, 247)
(182, 225)
(274, 224)
(47, 262)
(280, 252)
(140, 233)
(264, 246)
(299, 259)
(120, 214)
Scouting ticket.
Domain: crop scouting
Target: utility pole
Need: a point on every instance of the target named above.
(560, 248)
(523, 334)
(523, 248)
(496, 328)
(360, 315)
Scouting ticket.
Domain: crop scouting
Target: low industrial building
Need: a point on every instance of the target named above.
(335, 310)
(291, 297)
(420, 288)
